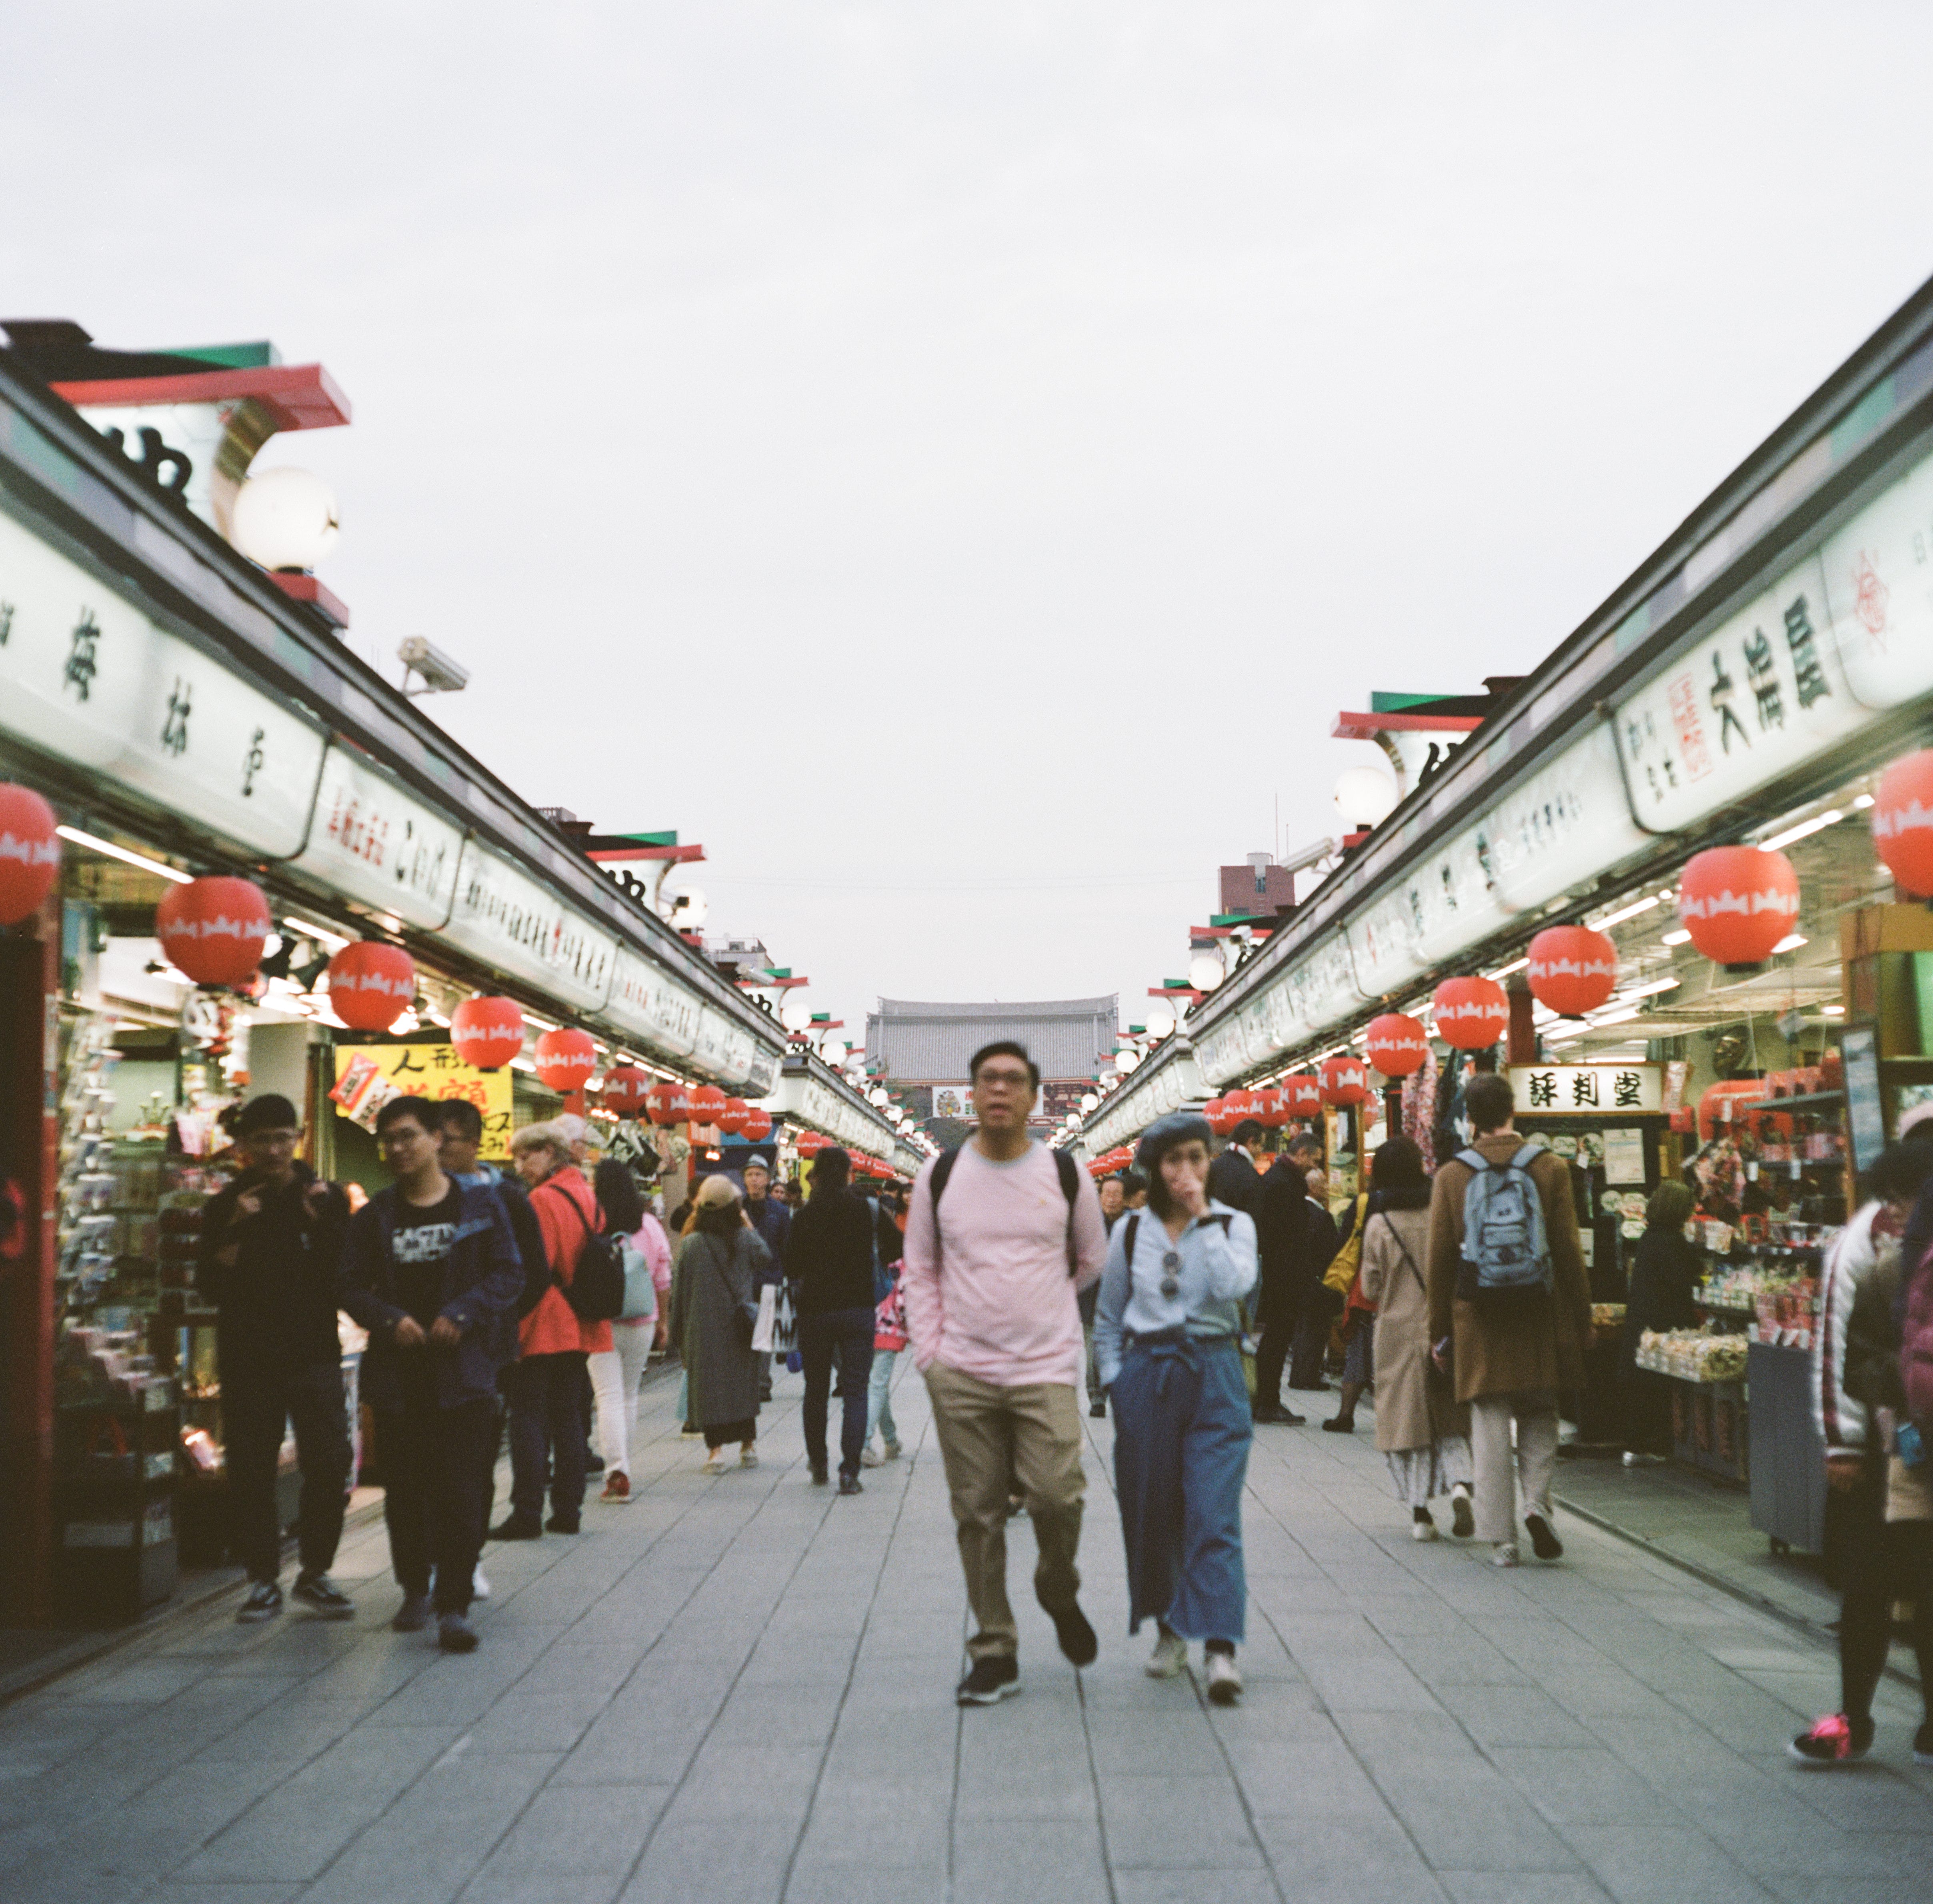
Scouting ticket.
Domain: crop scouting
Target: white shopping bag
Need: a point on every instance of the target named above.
(761, 1329)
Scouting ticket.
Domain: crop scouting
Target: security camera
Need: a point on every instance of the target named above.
(1312, 855)
(440, 675)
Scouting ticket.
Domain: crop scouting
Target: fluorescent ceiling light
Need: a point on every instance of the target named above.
(1615, 1017)
(1791, 942)
(320, 934)
(1817, 824)
(122, 853)
(1646, 991)
(1624, 912)
(1681, 937)
(1833, 1011)
(1504, 971)
(1861, 802)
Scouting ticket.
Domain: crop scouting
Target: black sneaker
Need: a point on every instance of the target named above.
(990, 1682)
(1462, 1520)
(413, 1615)
(264, 1602)
(1339, 1424)
(323, 1597)
(818, 1477)
(849, 1484)
(1098, 1409)
(563, 1523)
(594, 1464)
(1076, 1637)
(455, 1634)
(517, 1527)
(1544, 1543)
(1834, 1740)
(1272, 1414)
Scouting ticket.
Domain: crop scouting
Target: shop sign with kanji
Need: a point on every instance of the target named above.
(368, 1076)
(1587, 1090)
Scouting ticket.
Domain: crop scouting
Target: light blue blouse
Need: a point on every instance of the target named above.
(1216, 1268)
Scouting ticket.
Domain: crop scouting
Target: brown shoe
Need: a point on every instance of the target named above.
(617, 1486)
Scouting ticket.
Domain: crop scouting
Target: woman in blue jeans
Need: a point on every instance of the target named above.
(1167, 1343)
(829, 1257)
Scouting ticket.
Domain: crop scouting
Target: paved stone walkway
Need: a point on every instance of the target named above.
(740, 1689)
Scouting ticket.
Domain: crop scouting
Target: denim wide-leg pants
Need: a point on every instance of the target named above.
(1182, 1429)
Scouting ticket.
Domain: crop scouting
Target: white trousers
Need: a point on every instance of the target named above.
(1534, 1458)
(615, 1373)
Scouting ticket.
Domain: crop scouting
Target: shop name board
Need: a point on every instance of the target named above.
(368, 1076)
(1587, 1090)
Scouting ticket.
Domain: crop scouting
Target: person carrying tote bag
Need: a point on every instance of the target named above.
(714, 1310)
(617, 1371)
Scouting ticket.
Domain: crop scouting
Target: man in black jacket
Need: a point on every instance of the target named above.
(829, 1257)
(271, 1259)
(773, 1221)
(1288, 1248)
(431, 1270)
(1233, 1178)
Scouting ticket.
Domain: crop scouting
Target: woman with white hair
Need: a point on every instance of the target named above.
(715, 1307)
(547, 1382)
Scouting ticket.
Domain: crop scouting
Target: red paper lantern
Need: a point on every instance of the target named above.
(30, 852)
(758, 1124)
(1346, 1080)
(1572, 969)
(1738, 902)
(667, 1102)
(1271, 1107)
(1239, 1106)
(1472, 1014)
(565, 1058)
(1305, 1094)
(1216, 1112)
(370, 985)
(1396, 1044)
(708, 1104)
(1902, 823)
(214, 929)
(1724, 1103)
(487, 1032)
(731, 1118)
(627, 1090)
(811, 1142)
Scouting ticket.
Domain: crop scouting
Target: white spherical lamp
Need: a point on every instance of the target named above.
(1125, 1060)
(1205, 971)
(833, 1050)
(284, 519)
(1088, 1102)
(1160, 1018)
(795, 1013)
(1364, 797)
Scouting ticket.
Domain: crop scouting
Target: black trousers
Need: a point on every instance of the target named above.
(433, 1500)
(1281, 1307)
(1310, 1349)
(547, 1435)
(1879, 1563)
(850, 1331)
(259, 1399)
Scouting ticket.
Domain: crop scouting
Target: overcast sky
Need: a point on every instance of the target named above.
(955, 461)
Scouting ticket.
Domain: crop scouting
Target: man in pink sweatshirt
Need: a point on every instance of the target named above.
(1001, 1235)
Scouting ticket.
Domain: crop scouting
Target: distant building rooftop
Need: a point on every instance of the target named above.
(914, 1042)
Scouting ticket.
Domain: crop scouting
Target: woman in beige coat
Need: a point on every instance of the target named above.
(1423, 1432)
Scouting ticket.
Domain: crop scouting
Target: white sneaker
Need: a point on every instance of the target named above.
(872, 1457)
(1169, 1658)
(479, 1586)
(892, 1450)
(714, 1462)
(1224, 1682)
(1506, 1555)
(748, 1457)
(1423, 1530)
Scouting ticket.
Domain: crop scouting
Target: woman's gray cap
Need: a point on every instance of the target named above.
(1164, 1133)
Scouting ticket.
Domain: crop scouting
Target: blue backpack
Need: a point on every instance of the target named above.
(1505, 1250)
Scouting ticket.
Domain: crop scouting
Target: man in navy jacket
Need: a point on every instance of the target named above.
(432, 1271)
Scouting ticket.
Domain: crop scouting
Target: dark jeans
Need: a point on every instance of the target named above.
(1879, 1564)
(257, 1404)
(1311, 1346)
(433, 1497)
(547, 1433)
(1281, 1307)
(850, 1331)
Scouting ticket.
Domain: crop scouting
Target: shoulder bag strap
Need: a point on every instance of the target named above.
(1403, 1248)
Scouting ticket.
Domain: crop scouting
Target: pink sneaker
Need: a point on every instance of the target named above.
(1833, 1741)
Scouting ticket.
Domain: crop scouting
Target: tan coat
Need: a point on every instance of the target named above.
(1531, 1345)
(1415, 1407)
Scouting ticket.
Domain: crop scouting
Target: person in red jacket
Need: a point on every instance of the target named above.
(548, 1381)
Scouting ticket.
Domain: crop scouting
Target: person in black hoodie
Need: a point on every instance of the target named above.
(271, 1261)
(829, 1258)
(1665, 1275)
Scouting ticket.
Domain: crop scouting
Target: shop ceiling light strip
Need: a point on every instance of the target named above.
(122, 854)
(1624, 912)
(1817, 824)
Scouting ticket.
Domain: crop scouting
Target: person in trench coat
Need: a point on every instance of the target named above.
(714, 1304)
(1422, 1429)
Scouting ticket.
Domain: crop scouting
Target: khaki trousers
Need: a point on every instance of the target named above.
(1492, 1459)
(995, 1441)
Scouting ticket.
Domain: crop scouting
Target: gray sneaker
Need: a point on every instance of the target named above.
(455, 1634)
(413, 1615)
(323, 1597)
(264, 1602)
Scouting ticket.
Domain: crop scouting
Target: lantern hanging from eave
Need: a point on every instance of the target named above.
(1396, 1044)
(731, 1118)
(564, 1058)
(488, 1032)
(1472, 1014)
(371, 985)
(811, 1142)
(1239, 1106)
(1346, 1080)
(214, 929)
(1902, 823)
(1271, 1107)
(1216, 1112)
(626, 1089)
(667, 1102)
(708, 1104)
(30, 852)
(1304, 1092)
(758, 1123)
(1572, 969)
(1738, 902)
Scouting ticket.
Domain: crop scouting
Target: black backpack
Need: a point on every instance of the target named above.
(596, 1291)
(1070, 1188)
